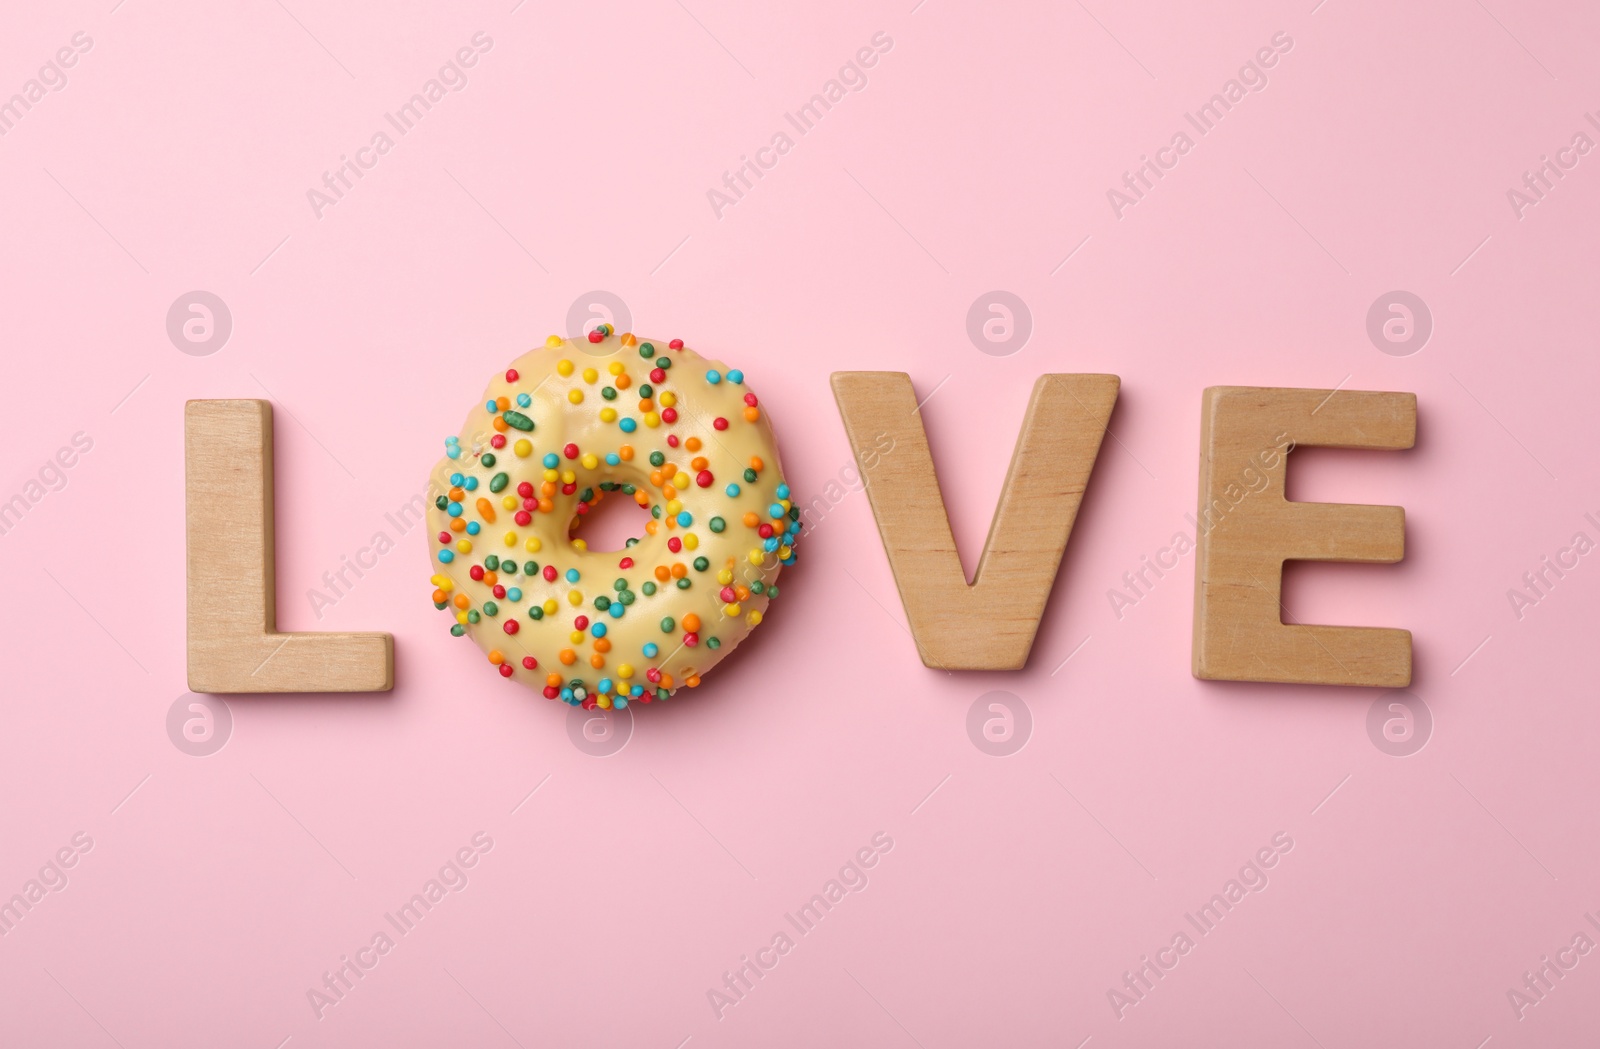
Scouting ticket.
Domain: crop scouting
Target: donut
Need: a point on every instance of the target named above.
(610, 416)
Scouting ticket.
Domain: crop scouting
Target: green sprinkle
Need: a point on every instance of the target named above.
(645, 390)
(602, 602)
(535, 613)
(646, 350)
(701, 564)
(457, 630)
(713, 642)
(487, 459)
(530, 568)
(490, 608)
(491, 562)
(620, 585)
(517, 419)
(498, 482)
(666, 621)
(608, 392)
(656, 458)
(626, 597)
(718, 524)
(649, 590)
(749, 474)
(684, 584)
(473, 617)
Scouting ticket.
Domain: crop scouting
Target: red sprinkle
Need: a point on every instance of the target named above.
(511, 627)
(750, 399)
(498, 440)
(675, 344)
(672, 440)
(658, 375)
(523, 517)
(626, 562)
(674, 544)
(505, 668)
(719, 423)
(444, 537)
(581, 623)
(550, 573)
(529, 663)
(595, 335)
(476, 571)
(511, 375)
(524, 489)
(704, 478)
(499, 591)
(570, 451)
(551, 692)
(669, 415)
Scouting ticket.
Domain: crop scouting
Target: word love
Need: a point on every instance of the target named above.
(1246, 529)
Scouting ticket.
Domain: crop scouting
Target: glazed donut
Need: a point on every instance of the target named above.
(572, 423)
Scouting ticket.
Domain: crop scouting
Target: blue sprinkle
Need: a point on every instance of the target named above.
(685, 519)
(628, 425)
(650, 650)
(572, 575)
(491, 406)
(713, 377)
(523, 400)
(735, 376)
(783, 491)
(612, 458)
(732, 489)
(637, 690)
(616, 609)
(620, 702)
(770, 544)
(598, 630)
(456, 479)
(551, 460)
(470, 484)
(453, 451)
(776, 511)
(605, 685)
(514, 593)
(473, 528)
(454, 509)
(446, 556)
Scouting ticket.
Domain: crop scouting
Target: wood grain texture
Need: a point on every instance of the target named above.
(233, 641)
(1247, 529)
(990, 623)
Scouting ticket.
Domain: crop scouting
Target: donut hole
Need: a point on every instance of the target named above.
(610, 523)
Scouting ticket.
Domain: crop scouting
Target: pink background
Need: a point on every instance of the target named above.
(1020, 888)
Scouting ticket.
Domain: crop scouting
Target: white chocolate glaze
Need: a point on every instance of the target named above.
(606, 629)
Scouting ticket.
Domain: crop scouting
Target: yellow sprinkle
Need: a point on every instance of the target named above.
(668, 399)
(576, 637)
(551, 607)
(511, 539)
(461, 616)
(725, 577)
(590, 375)
(552, 341)
(604, 702)
(574, 597)
(589, 460)
(580, 544)
(509, 502)
(625, 671)
(784, 503)
(756, 557)
(564, 366)
(464, 546)
(652, 420)
(523, 448)
(575, 396)
(674, 506)
(615, 368)
(533, 546)
(568, 477)
(731, 609)
(753, 618)
(608, 415)
(691, 541)
(784, 552)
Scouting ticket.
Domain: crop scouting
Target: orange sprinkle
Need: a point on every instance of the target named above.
(486, 508)
(663, 573)
(602, 644)
(457, 525)
(568, 657)
(691, 623)
(693, 681)
(500, 423)
(751, 413)
(626, 451)
(756, 463)
(693, 444)
(699, 462)
(646, 404)
(641, 498)
(652, 527)
(462, 601)
(622, 383)
(502, 403)
(597, 661)
(679, 570)
(553, 680)
(546, 505)
(491, 578)
(496, 657)
(440, 597)
(751, 519)
(457, 494)
(655, 478)
(628, 339)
